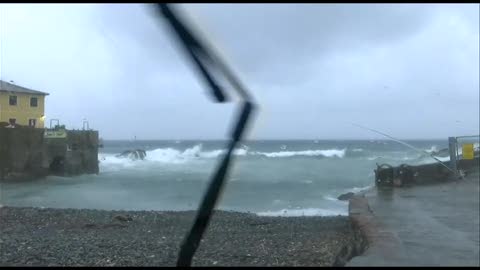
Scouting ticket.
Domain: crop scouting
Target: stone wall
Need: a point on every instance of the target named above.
(25, 153)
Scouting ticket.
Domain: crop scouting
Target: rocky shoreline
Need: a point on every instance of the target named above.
(84, 237)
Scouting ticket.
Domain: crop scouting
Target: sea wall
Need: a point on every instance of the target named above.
(25, 153)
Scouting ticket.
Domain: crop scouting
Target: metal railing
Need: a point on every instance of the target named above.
(455, 156)
(85, 124)
(56, 120)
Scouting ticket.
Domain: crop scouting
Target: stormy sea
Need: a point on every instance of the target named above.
(273, 178)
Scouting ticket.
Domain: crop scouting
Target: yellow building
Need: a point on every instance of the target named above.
(21, 106)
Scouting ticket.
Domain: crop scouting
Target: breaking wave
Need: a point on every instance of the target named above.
(432, 149)
(175, 156)
(324, 153)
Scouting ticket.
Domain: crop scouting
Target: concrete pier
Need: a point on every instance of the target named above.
(428, 225)
(407, 175)
(423, 215)
(26, 153)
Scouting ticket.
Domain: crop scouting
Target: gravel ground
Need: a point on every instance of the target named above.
(73, 237)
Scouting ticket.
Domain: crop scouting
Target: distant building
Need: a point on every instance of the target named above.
(21, 106)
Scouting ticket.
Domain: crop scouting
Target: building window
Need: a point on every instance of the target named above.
(13, 100)
(32, 122)
(12, 121)
(33, 102)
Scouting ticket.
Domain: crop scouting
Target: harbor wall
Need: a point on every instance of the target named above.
(26, 153)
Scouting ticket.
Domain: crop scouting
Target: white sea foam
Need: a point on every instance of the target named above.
(174, 156)
(167, 155)
(109, 162)
(218, 152)
(432, 149)
(357, 150)
(240, 152)
(304, 212)
(212, 154)
(330, 198)
(170, 155)
(325, 153)
(111, 159)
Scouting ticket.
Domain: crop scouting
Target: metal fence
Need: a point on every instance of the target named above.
(463, 147)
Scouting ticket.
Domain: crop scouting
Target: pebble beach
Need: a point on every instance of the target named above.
(83, 237)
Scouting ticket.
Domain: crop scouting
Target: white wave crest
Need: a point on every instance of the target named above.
(110, 162)
(165, 155)
(171, 155)
(303, 212)
(325, 153)
(111, 159)
(432, 149)
(240, 152)
(218, 152)
(357, 150)
(212, 154)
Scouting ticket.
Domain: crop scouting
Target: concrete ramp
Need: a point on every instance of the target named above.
(428, 225)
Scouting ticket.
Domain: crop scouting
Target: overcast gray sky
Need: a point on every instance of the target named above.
(409, 70)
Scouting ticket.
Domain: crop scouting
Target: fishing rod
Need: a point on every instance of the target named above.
(408, 145)
(206, 62)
